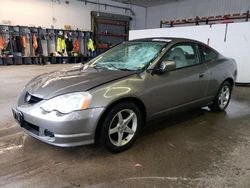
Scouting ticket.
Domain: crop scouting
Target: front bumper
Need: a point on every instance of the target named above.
(65, 130)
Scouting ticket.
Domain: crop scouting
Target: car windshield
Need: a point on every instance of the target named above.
(128, 56)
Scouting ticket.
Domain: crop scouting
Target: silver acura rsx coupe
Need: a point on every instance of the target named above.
(111, 97)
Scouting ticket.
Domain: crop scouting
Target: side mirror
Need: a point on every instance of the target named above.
(165, 66)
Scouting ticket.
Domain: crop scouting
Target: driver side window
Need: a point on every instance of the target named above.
(183, 55)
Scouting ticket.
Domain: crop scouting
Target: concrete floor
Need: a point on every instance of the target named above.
(195, 149)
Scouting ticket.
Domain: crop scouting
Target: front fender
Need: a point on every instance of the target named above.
(106, 94)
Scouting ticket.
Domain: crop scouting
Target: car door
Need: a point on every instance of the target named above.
(210, 59)
(186, 85)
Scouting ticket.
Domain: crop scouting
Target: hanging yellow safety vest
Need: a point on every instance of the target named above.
(61, 45)
(90, 45)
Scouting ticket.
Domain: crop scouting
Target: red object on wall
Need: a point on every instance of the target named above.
(76, 46)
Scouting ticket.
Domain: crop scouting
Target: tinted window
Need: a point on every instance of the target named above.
(208, 54)
(184, 55)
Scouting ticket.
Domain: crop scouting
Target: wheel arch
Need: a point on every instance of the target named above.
(135, 100)
(230, 81)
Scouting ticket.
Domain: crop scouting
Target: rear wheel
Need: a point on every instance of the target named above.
(121, 127)
(222, 99)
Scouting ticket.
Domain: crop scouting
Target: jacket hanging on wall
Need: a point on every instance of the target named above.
(24, 44)
(69, 44)
(16, 44)
(61, 45)
(8, 48)
(34, 41)
(2, 43)
(39, 50)
(90, 45)
(34, 44)
(76, 46)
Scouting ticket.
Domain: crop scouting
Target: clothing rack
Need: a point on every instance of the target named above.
(48, 38)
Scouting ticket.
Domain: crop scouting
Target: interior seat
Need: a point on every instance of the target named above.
(179, 57)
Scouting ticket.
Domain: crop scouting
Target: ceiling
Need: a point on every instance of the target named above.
(145, 3)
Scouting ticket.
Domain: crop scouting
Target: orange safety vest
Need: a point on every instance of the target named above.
(76, 46)
(2, 43)
(34, 45)
(24, 41)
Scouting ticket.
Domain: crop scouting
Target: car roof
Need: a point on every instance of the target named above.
(166, 39)
(172, 40)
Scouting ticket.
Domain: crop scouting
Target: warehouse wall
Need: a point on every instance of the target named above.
(76, 14)
(191, 8)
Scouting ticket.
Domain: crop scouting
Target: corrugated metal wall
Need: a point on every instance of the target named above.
(192, 8)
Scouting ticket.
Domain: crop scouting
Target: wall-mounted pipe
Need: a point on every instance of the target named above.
(108, 5)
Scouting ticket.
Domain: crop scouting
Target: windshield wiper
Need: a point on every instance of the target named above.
(107, 66)
(117, 68)
(98, 67)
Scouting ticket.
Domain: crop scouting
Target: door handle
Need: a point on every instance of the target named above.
(201, 75)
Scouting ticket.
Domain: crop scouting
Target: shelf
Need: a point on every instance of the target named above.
(229, 18)
(112, 35)
(109, 28)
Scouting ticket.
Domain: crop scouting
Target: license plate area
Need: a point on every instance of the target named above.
(31, 128)
(20, 120)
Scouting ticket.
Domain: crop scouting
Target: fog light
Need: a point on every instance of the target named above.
(48, 133)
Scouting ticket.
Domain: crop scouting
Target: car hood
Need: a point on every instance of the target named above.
(72, 80)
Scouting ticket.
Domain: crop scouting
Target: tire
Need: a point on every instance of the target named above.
(222, 99)
(121, 127)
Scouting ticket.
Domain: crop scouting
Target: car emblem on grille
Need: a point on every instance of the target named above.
(28, 97)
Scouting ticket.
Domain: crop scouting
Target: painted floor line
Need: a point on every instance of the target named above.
(177, 178)
(11, 147)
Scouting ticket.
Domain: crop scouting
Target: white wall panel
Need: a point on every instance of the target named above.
(236, 45)
(76, 14)
(191, 8)
(201, 33)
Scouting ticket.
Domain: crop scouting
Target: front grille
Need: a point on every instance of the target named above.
(31, 99)
(32, 128)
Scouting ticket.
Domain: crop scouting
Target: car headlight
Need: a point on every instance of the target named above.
(68, 102)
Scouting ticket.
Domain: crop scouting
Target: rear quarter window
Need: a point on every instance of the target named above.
(208, 54)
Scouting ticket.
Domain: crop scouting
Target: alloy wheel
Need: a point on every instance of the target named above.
(224, 96)
(123, 127)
